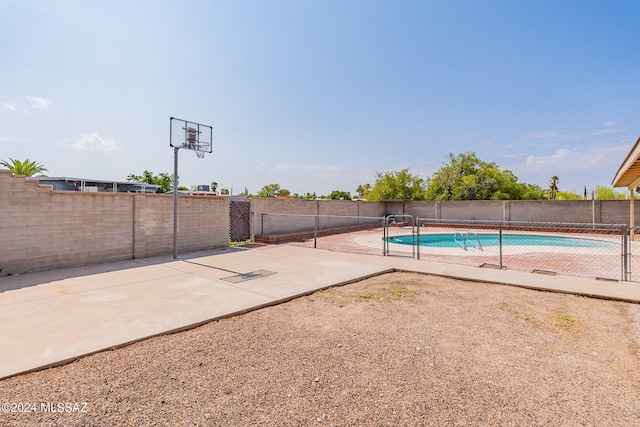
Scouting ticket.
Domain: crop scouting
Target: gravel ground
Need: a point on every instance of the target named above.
(398, 349)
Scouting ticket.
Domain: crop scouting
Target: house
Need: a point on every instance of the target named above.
(95, 185)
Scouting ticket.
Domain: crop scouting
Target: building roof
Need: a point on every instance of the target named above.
(629, 173)
(86, 182)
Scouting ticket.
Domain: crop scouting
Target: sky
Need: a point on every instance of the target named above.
(320, 95)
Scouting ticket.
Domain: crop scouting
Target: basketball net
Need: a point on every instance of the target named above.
(200, 154)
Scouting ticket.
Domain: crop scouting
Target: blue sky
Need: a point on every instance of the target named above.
(321, 95)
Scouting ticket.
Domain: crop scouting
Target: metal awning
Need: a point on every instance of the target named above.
(629, 173)
(629, 176)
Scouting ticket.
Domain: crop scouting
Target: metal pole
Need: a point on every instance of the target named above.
(418, 238)
(384, 237)
(315, 233)
(175, 202)
(632, 214)
(500, 246)
(413, 236)
(624, 254)
(252, 231)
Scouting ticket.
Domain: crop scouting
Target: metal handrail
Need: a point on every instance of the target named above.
(479, 245)
(462, 244)
(464, 237)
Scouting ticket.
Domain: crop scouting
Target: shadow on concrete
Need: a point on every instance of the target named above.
(19, 281)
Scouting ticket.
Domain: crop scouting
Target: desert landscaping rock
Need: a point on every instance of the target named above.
(398, 349)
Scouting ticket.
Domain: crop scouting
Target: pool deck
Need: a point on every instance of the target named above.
(54, 317)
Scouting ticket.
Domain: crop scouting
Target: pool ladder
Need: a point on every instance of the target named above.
(467, 239)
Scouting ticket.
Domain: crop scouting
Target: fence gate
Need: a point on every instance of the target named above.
(399, 235)
(239, 220)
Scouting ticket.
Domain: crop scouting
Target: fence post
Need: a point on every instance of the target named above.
(500, 246)
(384, 236)
(252, 232)
(315, 233)
(418, 237)
(625, 243)
(413, 236)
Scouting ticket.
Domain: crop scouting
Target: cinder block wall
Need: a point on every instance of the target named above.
(278, 225)
(568, 211)
(576, 211)
(41, 229)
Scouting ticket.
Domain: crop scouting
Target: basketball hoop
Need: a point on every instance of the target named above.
(192, 136)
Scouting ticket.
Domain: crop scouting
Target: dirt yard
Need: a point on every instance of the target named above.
(399, 349)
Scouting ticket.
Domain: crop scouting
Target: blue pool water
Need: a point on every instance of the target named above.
(448, 241)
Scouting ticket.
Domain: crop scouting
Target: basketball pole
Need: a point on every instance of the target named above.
(175, 202)
(190, 140)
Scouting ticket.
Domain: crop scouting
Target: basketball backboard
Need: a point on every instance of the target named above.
(190, 135)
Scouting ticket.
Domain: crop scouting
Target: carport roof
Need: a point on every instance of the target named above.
(629, 173)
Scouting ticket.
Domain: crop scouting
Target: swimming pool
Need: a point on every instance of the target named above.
(451, 240)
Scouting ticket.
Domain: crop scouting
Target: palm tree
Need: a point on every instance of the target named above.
(26, 167)
(553, 187)
(214, 187)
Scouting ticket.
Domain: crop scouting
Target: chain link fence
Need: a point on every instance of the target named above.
(603, 251)
(359, 234)
(589, 250)
(633, 255)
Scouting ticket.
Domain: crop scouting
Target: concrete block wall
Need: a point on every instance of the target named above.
(487, 210)
(422, 209)
(616, 211)
(576, 211)
(567, 211)
(551, 211)
(346, 208)
(41, 229)
(203, 222)
(372, 209)
(278, 225)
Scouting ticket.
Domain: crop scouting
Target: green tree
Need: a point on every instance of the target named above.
(466, 177)
(309, 196)
(567, 195)
(339, 195)
(553, 187)
(26, 167)
(164, 180)
(224, 191)
(214, 187)
(272, 190)
(607, 193)
(400, 185)
(362, 189)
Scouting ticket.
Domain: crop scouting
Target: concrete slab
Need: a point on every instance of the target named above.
(49, 318)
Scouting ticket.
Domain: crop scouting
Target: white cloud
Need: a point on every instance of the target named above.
(507, 155)
(304, 167)
(8, 106)
(38, 103)
(547, 134)
(592, 157)
(94, 142)
(542, 162)
(14, 139)
(606, 131)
